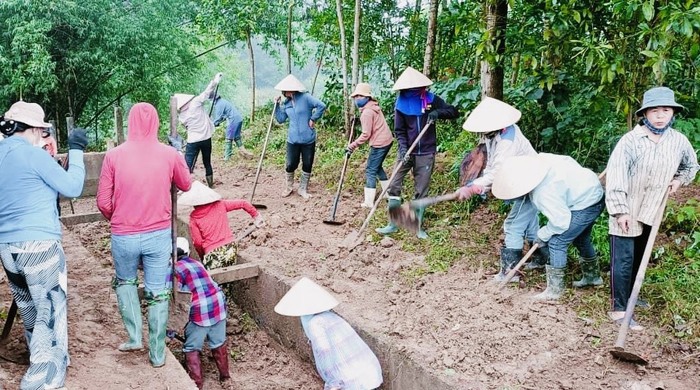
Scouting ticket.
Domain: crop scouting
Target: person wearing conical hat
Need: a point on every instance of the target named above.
(376, 131)
(199, 126)
(211, 234)
(224, 110)
(207, 315)
(343, 360)
(571, 198)
(647, 161)
(496, 123)
(303, 111)
(415, 108)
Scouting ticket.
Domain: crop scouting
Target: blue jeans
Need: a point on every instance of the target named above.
(153, 249)
(625, 258)
(579, 233)
(520, 223)
(192, 151)
(306, 151)
(195, 335)
(374, 167)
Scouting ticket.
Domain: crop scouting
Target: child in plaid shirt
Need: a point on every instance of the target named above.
(207, 314)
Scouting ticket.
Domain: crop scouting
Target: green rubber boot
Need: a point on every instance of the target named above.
(394, 201)
(555, 285)
(157, 324)
(228, 150)
(419, 215)
(130, 310)
(591, 273)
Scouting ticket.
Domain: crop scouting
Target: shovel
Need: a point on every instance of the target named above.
(405, 216)
(332, 220)
(618, 351)
(262, 155)
(9, 320)
(353, 239)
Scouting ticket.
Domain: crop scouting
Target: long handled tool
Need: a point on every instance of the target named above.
(11, 314)
(262, 156)
(332, 220)
(405, 216)
(173, 213)
(618, 350)
(353, 239)
(517, 267)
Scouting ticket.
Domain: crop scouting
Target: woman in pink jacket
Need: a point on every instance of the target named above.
(374, 129)
(134, 195)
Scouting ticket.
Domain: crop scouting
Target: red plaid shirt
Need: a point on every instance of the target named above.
(208, 301)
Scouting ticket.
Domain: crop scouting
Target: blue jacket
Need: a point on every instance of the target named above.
(300, 109)
(223, 109)
(31, 181)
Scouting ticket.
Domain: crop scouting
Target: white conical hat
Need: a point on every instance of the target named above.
(304, 298)
(290, 83)
(490, 115)
(199, 194)
(411, 78)
(362, 89)
(182, 99)
(183, 244)
(518, 176)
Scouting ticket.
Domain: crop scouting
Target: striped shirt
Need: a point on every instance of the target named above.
(508, 143)
(342, 359)
(208, 301)
(639, 172)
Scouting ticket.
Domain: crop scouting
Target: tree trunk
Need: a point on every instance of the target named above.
(249, 41)
(319, 63)
(343, 64)
(432, 34)
(289, 38)
(492, 71)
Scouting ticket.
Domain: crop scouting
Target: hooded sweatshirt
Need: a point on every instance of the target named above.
(134, 188)
(374, 127)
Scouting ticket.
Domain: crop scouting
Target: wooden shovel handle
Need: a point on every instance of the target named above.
(517, 267)
(425, 202)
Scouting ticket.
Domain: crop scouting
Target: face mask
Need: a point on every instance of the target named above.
(362, 101)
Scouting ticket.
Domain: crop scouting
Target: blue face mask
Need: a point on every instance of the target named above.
(361, 101)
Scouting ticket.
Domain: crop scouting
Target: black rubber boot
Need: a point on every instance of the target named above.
(591, 273)
(539, 259)
(210, 181)
(509, 258)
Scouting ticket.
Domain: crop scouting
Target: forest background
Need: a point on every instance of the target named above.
(577, 70)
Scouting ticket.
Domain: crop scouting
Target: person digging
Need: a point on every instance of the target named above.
(415, 107)
(571, 198)
(343, 359)
(224, 110)
(207, 315)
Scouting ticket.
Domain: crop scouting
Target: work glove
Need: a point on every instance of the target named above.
(433, 116)
(78, 140)
(541, 244)
(403, 156)
(217, 78)
(259, 221)
(466, 192)
(351, 148)
(176, 141)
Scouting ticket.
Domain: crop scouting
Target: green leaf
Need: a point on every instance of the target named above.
(649, 53)
(648, 10)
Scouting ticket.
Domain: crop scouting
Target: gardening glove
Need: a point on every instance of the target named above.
(217, 78)
(78, 140)
(466, 192)
(541, 244)
(348, 151)
(403, 156)
(624, 221)
(259, 221)
(433, 116)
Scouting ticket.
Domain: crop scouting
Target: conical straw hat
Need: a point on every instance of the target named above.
(182, 98)
(518, 176)
(183, 244)
(362, 89)
(290, 83)
(304, 298)
(411, 78)
(490, 115)
(199, 194)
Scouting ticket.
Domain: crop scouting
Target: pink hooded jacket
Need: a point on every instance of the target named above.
(134, 188)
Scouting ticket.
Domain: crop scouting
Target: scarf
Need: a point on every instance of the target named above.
(414, 101)
(657, 130)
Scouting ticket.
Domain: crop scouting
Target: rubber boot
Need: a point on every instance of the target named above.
(369, 197)
(194, 367)
(555, 285)
(394, 201)
(384, 184)
(210, 181)
(130, 310)
(539, 259)
(419, 215)
(591, 273)
(304, 184)
(228, 150)
(509, 257)
(220, 356)
(290, 185)
(157, 324)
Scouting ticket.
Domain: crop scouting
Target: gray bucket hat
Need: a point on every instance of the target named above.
(659, 97)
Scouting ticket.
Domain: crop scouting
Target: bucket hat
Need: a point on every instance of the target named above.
(182, 99)
(518, 176)
(290, 83)
(198, 195)
(491, 115)
(362, 89)
(183, 244)
(659, 97)
(411, 78)
(31, 114)
(304, 298)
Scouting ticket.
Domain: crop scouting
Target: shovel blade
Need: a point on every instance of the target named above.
(333, 222)
(621, 354)
(259, 206)
(351, 241)
(405, 217)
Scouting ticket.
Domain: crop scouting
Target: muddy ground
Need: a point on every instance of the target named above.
(456, 323)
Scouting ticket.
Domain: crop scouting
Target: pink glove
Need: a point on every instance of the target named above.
(464, 193)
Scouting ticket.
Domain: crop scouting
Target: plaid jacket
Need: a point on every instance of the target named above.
(208, 301)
